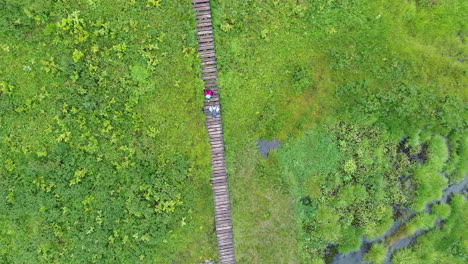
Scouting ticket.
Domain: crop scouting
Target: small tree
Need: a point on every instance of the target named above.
(376, 254)
(441, 210)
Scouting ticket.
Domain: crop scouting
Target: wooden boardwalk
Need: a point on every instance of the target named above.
(215, 132)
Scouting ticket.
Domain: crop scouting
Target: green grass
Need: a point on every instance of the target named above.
(104, 156)
(265, 228)
(340, 83)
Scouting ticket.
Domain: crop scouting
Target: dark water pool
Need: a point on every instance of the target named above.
(264, 146)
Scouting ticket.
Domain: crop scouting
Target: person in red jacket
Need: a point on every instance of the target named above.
(208, 93)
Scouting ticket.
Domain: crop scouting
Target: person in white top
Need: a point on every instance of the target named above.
(214, 110)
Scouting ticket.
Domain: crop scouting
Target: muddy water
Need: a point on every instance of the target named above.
(264, 146)
(355, 257)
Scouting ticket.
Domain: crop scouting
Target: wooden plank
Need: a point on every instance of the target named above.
(206, 28)
(222, 217)
(224, 233)
(205, 32)
(208, 76)
(221, 203)
(218, 163)
(220, 188)
(219, 175)
(209, 61)
(210, 83)
(218, 153)
(219, 200)
(205, 39)
(219, 181)
(203, 4)
(201, 15)
(216, 139)
(209, 70)
(223, 207)
(216, 148)
(224, 240)
(201, 7)
(223, 221)
(213, 123)
(217, 144)
(215, 133)
(227, 256)
(219, 170)
(207, 54)
(220, 148)
(215, 130)
(206, 46)
(200, 1)
(204, 23)
(225, 245)
(221, 192)
(219, 158)
(222, 198)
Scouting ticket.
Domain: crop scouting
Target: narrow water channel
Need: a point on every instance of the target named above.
(355, 257)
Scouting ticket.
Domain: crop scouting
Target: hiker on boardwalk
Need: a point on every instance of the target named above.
(214, 110)
(208, 93)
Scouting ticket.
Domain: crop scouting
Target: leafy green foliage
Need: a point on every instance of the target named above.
(94, 163)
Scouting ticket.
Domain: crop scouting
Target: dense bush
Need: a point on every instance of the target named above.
(444, 245)
(441, 210)
(376, 254)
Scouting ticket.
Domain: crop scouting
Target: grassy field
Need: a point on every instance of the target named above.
(103, 155)
(340, 83)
